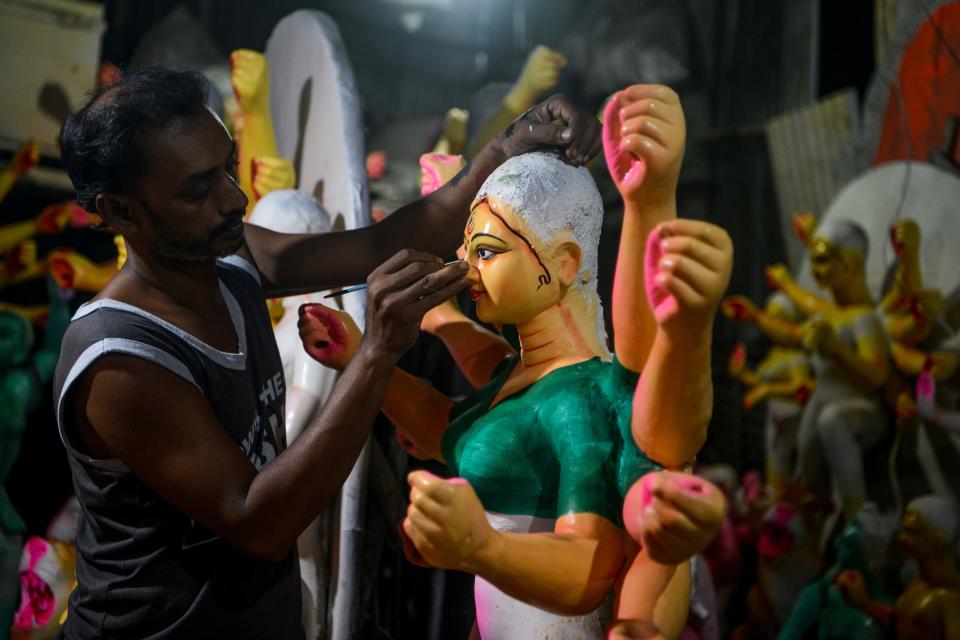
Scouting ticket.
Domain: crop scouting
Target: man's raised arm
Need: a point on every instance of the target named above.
(292, 263)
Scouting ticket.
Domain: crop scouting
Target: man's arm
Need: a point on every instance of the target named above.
(295, 263)
(182, 452)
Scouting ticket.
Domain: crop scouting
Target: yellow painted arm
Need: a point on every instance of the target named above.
(418, 410)
(568, 571)
(476, 350)
(250, 76)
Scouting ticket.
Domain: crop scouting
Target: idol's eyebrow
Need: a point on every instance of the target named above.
(489, 235)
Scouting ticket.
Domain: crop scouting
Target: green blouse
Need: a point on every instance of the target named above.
(562, 445)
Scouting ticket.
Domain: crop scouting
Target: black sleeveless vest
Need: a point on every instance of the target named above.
(144, 569)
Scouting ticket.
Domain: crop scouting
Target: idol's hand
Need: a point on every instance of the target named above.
(55, 218)
(578, 135)
(755, 396)
(778, 275)
(905, 238)
(804, 224)
(739, 308)
(446, 521)
(25, 159)
(21, 257)
(673, 515)
(329, 336)
(272, 173)
(819, 336)
(643, 139)
(540, 74)
(737, 360)
(250, 77)
(436, 170)
(687, 270)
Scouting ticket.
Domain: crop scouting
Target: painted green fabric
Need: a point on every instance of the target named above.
(562, 445)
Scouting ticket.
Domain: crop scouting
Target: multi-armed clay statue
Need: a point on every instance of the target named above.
(930, 605)
(848, 347)
(547, 450)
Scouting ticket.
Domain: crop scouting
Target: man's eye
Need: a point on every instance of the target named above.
(485, 254)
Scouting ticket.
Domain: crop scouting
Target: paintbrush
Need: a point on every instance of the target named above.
(361, 287)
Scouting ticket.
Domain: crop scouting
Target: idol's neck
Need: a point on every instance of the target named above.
(562, 334)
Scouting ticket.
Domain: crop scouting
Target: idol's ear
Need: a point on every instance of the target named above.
(568, 257)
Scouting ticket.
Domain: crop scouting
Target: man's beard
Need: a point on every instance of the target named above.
(171, 246)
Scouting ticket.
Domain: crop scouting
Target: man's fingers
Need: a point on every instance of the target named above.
(402, 258)
(410, 274)
(429, 302)
(435, 282)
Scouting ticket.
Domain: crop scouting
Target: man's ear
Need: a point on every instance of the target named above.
(115, 212)
(568, 257)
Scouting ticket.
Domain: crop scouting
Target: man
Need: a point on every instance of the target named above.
(170, 392)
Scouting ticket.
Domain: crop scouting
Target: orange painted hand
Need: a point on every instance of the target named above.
(21, 257)
(739, 308)
(804, 223)
(851, 587)
(446, 521)
(777, 275)
(26, 158)
(673, 515)
(250, 77)
(272, 173)
(56, 217)
(687, 270)
(755, 396)
(644, 134)
(74, 271)
(329, 336)
(738, 359)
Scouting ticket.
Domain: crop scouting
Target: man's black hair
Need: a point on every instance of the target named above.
(100, 143)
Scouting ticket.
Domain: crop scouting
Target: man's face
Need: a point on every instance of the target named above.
(190, 204)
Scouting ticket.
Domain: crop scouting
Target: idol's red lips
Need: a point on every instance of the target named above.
(474, 294)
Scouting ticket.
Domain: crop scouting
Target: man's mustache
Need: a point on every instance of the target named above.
(229, 224)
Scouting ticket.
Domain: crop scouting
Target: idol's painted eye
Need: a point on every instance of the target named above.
(486, 254)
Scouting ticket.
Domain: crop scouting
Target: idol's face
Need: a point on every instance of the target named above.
(187, 206)
(510, 271)
(826, 263)
(917, 536)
